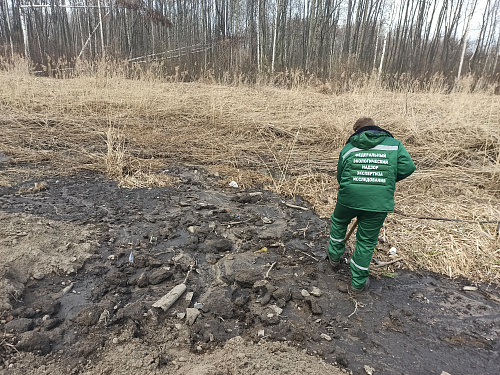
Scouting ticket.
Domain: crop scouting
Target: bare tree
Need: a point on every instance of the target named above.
(330, 39)
(472, 7)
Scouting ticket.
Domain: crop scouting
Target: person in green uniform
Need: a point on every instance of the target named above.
(369, 166)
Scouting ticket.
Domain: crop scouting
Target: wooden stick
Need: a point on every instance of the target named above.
(236, 222)
(383, 264)
(269, 270)
(355, 307)
(298, 207)
(351, 230)
(309, 255)
(255, 193)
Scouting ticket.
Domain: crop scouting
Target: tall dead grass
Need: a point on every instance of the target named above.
(284, 140)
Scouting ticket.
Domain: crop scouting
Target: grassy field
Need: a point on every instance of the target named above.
(284, 140)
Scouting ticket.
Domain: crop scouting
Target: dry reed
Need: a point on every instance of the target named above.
(284, 140)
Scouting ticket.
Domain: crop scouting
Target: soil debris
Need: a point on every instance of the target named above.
(246, 312)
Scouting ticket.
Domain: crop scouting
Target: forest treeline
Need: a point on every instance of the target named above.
(331, 40)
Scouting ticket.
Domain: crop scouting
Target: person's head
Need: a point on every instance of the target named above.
(362, 122)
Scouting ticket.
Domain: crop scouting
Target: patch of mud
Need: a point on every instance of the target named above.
(260, 298)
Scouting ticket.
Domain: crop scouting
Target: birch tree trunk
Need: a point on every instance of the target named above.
(465, 40)
(25, 36)
(9, 28)
(100, 27)
(383, 55)
(274, 35)
(258, 36)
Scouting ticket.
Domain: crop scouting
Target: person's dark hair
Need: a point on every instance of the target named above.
(362, 122)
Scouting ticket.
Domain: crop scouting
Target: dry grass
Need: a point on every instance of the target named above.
(285, 140)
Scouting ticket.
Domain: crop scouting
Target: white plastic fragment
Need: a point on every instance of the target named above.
(369, 370)
(326, 337)
(315, 291)
(233, 184)
(469, 288)
(67, 289)
(278, 310)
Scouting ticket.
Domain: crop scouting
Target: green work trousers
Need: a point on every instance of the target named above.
(369, 225)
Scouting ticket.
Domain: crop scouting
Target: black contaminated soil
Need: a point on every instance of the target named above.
(256, 268)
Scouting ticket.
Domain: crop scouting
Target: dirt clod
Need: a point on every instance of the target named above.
(19, 325)
(34, 342)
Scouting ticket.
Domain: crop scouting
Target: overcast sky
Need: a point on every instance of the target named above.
(476, 21)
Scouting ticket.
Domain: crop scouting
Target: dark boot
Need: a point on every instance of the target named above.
(335, 265)
(365, 287)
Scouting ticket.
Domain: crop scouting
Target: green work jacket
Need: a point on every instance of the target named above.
(369, 166)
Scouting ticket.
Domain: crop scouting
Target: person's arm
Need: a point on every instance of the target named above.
(405, 164)
(340, 167)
